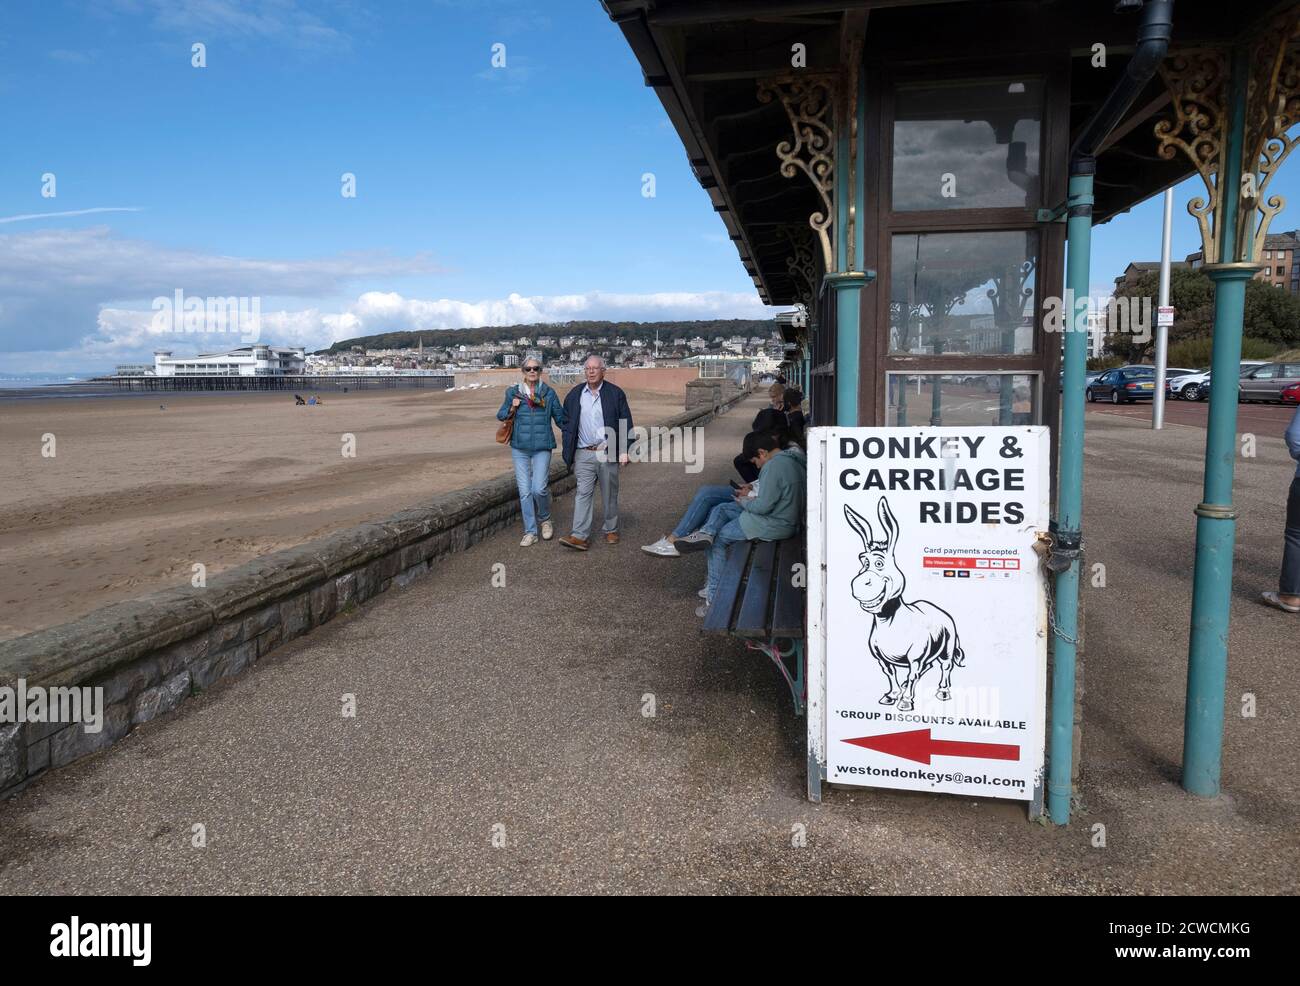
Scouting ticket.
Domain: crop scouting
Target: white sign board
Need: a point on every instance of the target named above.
(1164, 317)
(928, 632)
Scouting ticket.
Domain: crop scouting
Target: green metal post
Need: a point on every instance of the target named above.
(1069, 497)
(848, 279)
(848, 287)
(1207, 657)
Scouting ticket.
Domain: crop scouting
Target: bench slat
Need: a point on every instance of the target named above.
(718, 617)
(788, 607)
(756, 606)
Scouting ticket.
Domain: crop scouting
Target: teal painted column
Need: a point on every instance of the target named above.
(848, 280)
(848, 289)
(1207, 656)
(1069, 492)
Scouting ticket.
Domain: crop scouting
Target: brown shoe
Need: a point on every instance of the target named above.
(569, 541)
(611, 537)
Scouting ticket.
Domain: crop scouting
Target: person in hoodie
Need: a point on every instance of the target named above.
(776, 513)
(535, 406)
(771, 418)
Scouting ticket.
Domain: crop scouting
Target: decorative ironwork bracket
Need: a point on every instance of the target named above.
(809, 102)
(802, 264)
(1199, 82)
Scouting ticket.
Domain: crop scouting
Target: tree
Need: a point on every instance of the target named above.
(1272, 315)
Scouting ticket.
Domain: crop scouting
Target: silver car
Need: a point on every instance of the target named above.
(1265, 383)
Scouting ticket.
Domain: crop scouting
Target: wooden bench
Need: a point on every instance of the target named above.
(761, 599)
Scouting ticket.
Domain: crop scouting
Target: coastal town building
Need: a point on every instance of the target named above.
(1136, 269)
(246, 361)
(909, 171)
(1280, 261)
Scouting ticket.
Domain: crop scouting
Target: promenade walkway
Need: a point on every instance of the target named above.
(485, 712)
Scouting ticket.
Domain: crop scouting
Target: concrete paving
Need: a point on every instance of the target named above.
(515, 714)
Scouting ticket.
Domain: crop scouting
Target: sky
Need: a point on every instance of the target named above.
(483, 194)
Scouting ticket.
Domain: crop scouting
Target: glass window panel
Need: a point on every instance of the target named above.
(962, 293)
(962, 399)
(967, 146)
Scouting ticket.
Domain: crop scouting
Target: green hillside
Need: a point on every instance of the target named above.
(585, 330)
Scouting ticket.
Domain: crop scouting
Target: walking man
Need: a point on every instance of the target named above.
(597, 430)
(1288, 595)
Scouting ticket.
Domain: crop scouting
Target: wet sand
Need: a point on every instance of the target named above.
(135, 495)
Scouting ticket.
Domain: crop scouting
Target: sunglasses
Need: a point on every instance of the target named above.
(532, 369)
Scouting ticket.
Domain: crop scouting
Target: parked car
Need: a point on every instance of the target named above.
(1202, 380)
(1123, 385)
(1191, 385)
(1266, 383)
(1173, 373)
(1291, 394)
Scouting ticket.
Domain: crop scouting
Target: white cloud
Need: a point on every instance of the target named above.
(70, 212)
(279, 21)
(126, 335)
(83, 298)
(55, 282)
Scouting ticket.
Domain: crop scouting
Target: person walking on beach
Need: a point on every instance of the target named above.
(535, 406)
(597, 430)
(1287, 597)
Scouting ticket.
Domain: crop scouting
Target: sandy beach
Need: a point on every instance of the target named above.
(135, 495)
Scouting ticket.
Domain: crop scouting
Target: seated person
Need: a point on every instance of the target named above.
(794, 415)
(771, 418)
(702, 504)
(774, 514)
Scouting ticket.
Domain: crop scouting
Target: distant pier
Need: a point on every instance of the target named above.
(289, 382)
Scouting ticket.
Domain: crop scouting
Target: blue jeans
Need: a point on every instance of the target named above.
(706, 498)
(724, 525)
(1289, 583)
(532, 472)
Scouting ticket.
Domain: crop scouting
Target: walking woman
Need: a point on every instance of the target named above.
(1287, 597)
(534, 405)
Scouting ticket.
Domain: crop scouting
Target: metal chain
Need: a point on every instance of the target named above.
(1051, 592)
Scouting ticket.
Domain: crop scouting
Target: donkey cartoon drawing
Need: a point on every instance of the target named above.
(905, 638)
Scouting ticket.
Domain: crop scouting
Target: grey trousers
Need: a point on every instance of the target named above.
(589, 468)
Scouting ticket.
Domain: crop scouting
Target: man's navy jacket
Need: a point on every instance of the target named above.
(613, 402)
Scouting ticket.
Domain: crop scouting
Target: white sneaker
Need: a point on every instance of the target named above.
(698, 541)
(548, 530)
(663, 548)
(529, 539)
(703, 593)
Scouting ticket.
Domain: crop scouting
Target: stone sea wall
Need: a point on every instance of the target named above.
(151, 654)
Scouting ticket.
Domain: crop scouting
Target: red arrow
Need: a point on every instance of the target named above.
(916, 744)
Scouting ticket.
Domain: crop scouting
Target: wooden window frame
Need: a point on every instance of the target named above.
(881, 223)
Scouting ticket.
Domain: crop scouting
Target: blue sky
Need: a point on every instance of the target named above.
(484, 195)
